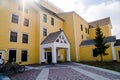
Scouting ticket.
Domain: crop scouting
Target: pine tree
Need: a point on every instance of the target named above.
(100, 44)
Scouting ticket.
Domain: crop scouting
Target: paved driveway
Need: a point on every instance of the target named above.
(66, 71)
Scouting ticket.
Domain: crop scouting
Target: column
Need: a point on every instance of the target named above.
(42, 56)
(113, 51)
(68, 54)
(54, 59)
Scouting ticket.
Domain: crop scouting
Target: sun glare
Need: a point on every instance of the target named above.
(23, 4)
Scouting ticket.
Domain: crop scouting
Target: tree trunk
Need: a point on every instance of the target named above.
(101, 57)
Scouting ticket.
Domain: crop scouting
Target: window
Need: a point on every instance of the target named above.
(13, 36)
(44, 32)
(12, 55)
(26, 10)
(20, 8)
(82, 36)
(24, 55)
(119, 55)
(25, 38)
(94, 53)
(26, 22)
(86, 30)
(52, 21)
(45, 18)
(57, 40)
(15, 18)
(81, 27)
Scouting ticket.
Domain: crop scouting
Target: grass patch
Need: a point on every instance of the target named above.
(107, 65)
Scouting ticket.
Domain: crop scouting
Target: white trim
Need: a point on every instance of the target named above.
(21, 55)
(42, 57)
(54, 47)
(74, 27)
(16, 53)
(68, 54)
(54, 57)
(113, 51)
(41, 29)
(41, 19)
(65, 38)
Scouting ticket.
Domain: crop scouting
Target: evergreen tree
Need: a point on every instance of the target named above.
(100, 44)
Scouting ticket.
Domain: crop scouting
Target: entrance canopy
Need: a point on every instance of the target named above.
(53, 41)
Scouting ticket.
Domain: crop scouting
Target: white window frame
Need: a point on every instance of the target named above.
(44, 18)
(28, 24)
(52, 21)
(18, 18)
(46, 32)
(10, 34)
(23, 9)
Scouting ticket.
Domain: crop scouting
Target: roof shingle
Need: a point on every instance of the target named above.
(51, 37)
(91, 42)
(117, 42)
(100, 22)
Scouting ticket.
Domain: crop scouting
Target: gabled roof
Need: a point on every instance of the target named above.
(117, 42)
(51, 37)
(91, 42)
(101, 22)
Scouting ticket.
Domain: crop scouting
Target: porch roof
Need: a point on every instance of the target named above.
(117, 42)
(51, 37)
(91, 42)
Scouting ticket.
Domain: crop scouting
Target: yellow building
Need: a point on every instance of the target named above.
(38, 32)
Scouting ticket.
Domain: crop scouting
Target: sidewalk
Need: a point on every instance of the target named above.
(72, 71)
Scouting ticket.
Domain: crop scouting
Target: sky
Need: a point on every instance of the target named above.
(92, 10)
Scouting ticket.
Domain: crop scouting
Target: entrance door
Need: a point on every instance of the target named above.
(49, 57)
(12, 55)
(1, 56)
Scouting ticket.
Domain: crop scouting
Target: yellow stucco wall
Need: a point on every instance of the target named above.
(8, 7)
(68, 28)
(50, 28)
(86, 54)
(105, 29)
(78, 21)
(70, 25)
(73, 32)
